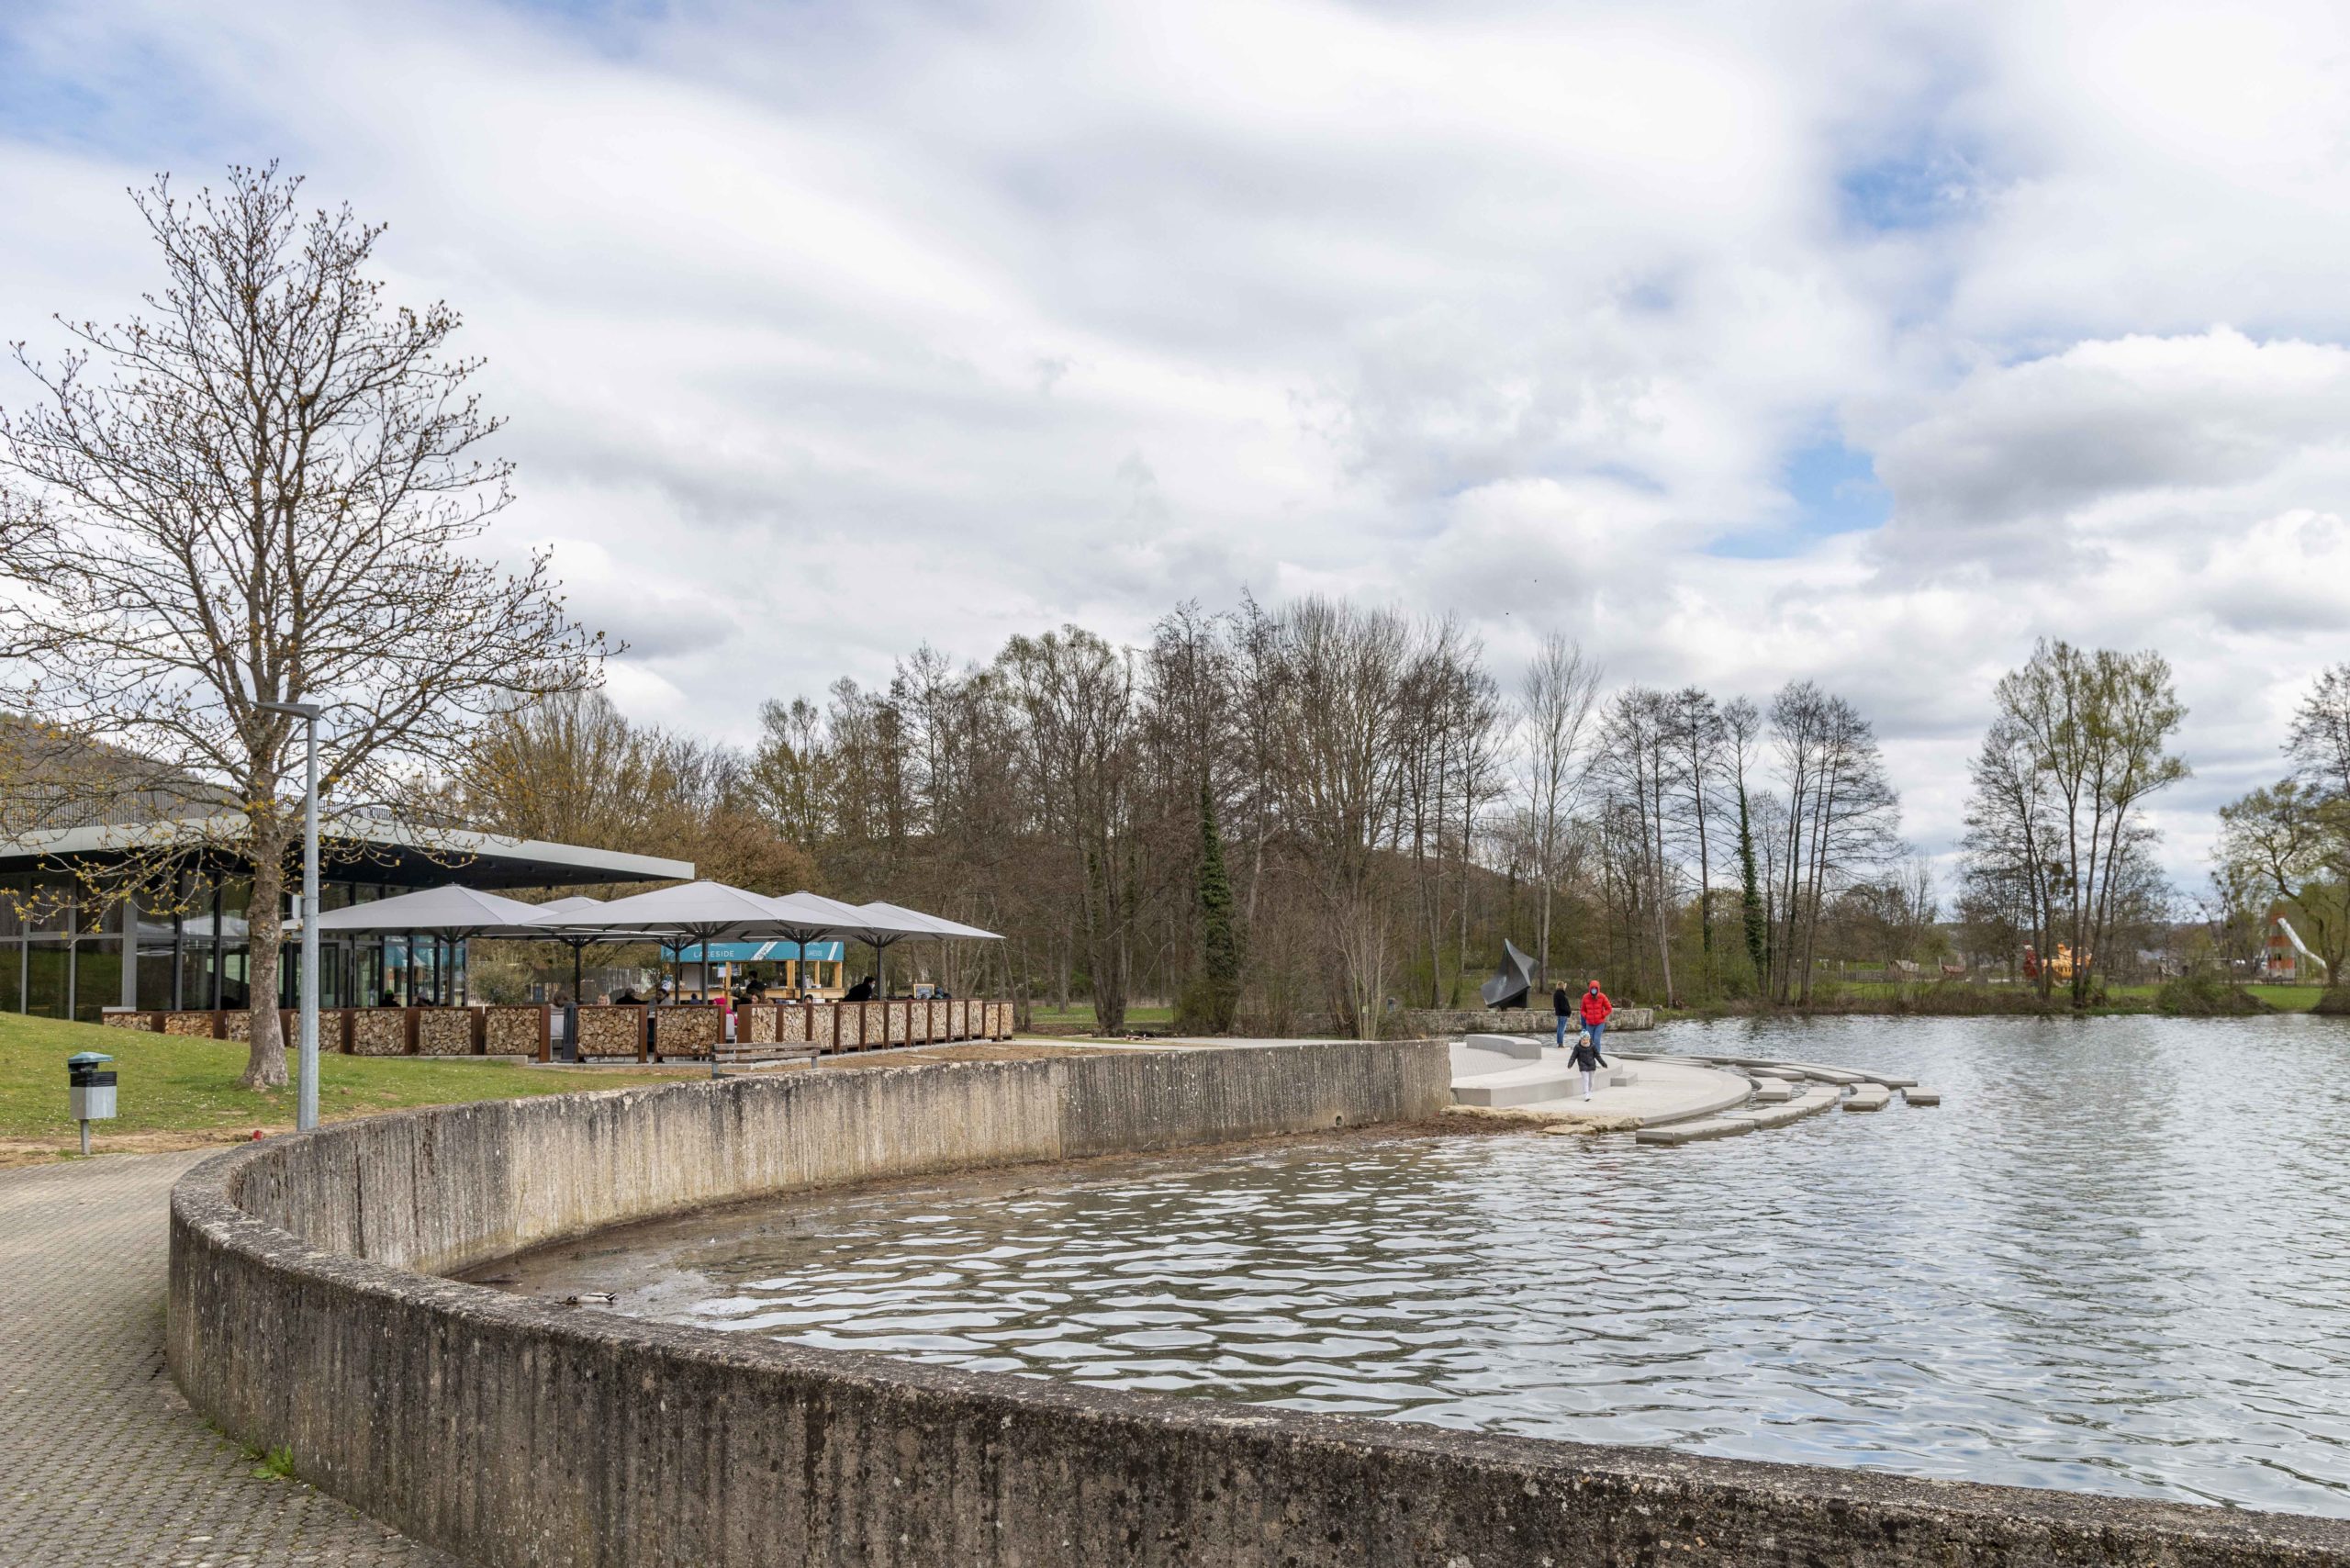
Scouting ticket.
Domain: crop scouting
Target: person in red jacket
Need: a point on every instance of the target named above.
(1595, 1009)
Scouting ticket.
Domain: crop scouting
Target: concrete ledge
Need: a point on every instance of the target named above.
(513, 1431)
(1868, 1097)
(1916, 1095)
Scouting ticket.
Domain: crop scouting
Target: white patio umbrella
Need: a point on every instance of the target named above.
(880, 927)
(682, 916)
(933, 925)
(925, 924)
(450, 912)
(553, 923)
(449, 909)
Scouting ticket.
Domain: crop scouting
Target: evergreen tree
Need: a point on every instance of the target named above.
(1758, 929)
(1215, 997)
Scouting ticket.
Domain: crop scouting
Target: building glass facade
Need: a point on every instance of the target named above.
(63, 953)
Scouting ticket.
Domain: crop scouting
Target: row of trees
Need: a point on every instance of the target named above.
(1317, 810)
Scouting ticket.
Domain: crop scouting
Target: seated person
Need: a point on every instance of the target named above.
(391, 999)
(862, 990)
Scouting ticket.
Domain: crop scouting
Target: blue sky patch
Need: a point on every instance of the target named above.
(1835, 490)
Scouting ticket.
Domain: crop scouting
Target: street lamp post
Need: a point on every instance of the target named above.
(306, 1105)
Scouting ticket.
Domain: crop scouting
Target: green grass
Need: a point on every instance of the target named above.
(1078, 1017)
(171, 1085)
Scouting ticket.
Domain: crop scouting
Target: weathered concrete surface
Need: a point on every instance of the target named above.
(1918, 1095)
(1702, 1130)
(516, 1431)
(1811, 1104)
(1867, 1097)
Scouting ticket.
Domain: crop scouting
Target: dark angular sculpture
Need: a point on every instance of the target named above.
(1512, 980)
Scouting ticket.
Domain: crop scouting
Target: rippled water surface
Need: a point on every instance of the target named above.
(2116, 1259)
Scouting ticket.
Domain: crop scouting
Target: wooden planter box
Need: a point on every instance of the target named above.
(382, 1031)
(606, 1032)
(518, 1031)
(688, 1033)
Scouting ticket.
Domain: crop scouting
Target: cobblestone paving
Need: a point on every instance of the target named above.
(101, 1462)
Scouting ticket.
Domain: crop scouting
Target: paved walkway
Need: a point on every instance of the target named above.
(101, 1462)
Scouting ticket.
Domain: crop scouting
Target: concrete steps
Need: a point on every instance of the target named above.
(1806, 1106)
(1534, 1083)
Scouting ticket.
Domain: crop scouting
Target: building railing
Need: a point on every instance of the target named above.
(680, 1032)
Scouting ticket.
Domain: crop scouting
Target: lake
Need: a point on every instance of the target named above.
(2116, 1259)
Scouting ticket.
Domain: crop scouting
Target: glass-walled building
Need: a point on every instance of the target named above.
(69, 949)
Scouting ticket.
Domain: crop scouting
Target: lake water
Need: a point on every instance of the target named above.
(2117, 1259)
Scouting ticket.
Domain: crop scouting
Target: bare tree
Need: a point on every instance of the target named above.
(1553, 713)
(258, 492)
(1076, 697)
(2096, 727)
(1841, 813)
(1699, 736)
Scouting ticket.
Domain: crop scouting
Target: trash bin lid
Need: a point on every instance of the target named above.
(87, 1059)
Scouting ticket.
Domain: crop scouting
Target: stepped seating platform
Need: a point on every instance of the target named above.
(1534, 1083)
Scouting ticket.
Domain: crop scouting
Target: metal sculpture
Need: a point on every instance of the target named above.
(1512, 980)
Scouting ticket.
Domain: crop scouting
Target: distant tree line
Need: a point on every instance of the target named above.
(1273, 816)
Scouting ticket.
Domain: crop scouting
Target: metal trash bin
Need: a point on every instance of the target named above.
(91, 1087)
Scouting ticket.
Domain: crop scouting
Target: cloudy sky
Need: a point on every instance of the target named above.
(1862, 341)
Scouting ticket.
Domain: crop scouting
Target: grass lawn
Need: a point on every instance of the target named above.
(179, 1093)
(1078, 1017)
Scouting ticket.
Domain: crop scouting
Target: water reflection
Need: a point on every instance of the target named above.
(2117, 1259)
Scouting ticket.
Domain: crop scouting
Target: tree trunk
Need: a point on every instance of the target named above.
(265, 940)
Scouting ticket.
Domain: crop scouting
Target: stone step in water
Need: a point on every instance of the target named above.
(1699, 1131)
(1918, 1096)
(1809, 1105)
(1771, 1091)
(1868, 1097)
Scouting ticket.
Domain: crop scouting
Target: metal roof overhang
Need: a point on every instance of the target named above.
(371, 852)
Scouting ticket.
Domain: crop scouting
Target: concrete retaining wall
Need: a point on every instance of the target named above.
(1428, 1023)
(515, 1431)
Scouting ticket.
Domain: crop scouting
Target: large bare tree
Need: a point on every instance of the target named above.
(1553, 711)
(2080, 744)
(261, 489)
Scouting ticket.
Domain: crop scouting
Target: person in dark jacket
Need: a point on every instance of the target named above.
(1564, 1006)
(1587, 1058)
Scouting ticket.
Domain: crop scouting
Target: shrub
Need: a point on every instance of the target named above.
(2205, 994)
(2336, 1000)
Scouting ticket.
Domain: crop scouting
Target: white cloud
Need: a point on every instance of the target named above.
(827, 331)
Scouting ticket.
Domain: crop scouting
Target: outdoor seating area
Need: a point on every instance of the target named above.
(678, 1032)
(688, 918)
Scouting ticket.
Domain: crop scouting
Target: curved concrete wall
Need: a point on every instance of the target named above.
(514, 1431)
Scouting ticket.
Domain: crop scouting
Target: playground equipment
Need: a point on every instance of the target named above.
(2288, 957)
(2059, 967)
